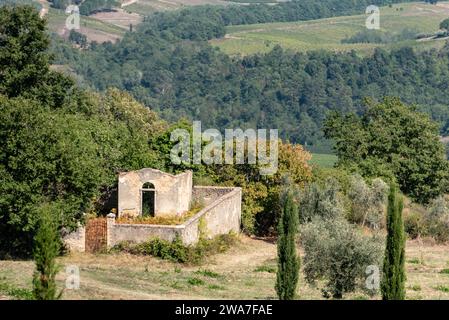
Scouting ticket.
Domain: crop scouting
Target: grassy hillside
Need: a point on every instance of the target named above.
(328, 33)
(110, 26)
(145, 7)
(323, 160)
(94, 29)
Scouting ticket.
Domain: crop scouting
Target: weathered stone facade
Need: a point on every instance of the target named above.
(76, 241)
(173, 193)
(221, 213)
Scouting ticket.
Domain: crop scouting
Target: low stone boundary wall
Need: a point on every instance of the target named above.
(221, 215)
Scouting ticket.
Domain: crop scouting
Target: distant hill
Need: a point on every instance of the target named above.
(328, 33)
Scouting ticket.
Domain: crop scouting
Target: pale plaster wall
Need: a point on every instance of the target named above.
(221, 215)
(173, 192)
(76, 241)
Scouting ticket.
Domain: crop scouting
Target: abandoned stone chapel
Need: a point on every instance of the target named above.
(148, 193)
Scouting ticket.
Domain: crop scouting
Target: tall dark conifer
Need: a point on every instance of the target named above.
(393, 269)
(46, 249)
(288, 261)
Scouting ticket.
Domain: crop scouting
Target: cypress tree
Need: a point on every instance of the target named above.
(393, 279)
(288, 262)
(46, 249)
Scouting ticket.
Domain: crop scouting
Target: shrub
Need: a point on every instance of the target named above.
(18, 293)
(176, 251)
(338, 253)
(368, 201)
(159, 220)
(442, 288)
(413, 224)
(415, 287)
(269, 269)
(195, 281)
(437, 220)
(320, 201)
(208, 273)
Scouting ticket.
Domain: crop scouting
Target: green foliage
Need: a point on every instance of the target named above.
(380, 144)
(432, 221)
(280, 89)
(368, 202)
(260, 193)
(13, 291)
(176, 251)
(442, 288)
(21, 3)
(46, 155)
(288, 261)
(78, 38)
(46, 248)
(375, 36)
(60, 4)
(265, 268)
(24, 62)
(393, 279)
(195, 282)
(338, 253)
(416, 287)
(215, 17)
(445, 24)
(323, 160)
(414, 225)
(208, 273)
(88, 7)
(436, 220)
(60, 145)
(321, 200)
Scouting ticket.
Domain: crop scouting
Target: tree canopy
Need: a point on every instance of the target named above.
(393, 140)
(165, 64)
(60, 145)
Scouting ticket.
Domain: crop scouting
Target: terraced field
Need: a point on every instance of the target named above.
(111, 26)
(94, 29)
(328, 33)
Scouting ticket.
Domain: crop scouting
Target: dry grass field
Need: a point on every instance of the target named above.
(247, 271)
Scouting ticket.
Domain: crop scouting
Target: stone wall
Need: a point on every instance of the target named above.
(207, 195)
(76, 241)
(221, 215)
(172, 196)
(141, 232)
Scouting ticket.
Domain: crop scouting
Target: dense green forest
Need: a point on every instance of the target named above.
(88, 7)
(166, 66)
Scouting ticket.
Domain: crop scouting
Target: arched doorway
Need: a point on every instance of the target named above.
(148, 193)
